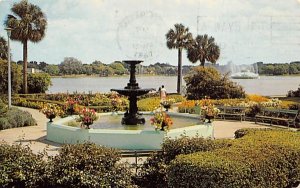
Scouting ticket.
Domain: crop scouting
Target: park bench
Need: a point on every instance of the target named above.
(231, 112)
(137, 155)
(277, 116)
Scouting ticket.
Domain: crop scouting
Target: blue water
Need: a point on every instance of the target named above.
(265, 85)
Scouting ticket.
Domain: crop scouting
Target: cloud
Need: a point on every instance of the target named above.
(94, 29)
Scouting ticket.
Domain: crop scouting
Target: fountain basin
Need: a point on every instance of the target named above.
(123, 139)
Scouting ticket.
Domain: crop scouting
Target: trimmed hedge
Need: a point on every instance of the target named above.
(154, 170)
(259, 158)
(99, 102)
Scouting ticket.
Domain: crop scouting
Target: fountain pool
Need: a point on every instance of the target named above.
(112, 121)
(145, 137)
(130, 133)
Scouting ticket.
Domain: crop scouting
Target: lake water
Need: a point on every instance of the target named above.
(265, 85)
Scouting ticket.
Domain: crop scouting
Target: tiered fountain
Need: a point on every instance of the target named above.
(132, 90)
(128, 137)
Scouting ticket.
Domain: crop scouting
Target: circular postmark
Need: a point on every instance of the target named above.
(139, 35)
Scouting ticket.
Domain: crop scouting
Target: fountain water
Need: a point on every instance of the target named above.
(243, 71)
(132, 90)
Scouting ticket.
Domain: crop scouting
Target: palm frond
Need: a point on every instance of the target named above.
(28, 22)
(180, 37)
(204, 49)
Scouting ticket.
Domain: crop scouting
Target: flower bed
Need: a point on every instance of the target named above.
(98, 101)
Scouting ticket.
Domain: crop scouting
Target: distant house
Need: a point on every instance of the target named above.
(33, 70)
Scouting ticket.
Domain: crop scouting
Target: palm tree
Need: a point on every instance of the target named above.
(180, 38)
(3, 48)
(28, 23)
(203, 49)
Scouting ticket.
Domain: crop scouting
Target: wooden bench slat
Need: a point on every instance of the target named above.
(288, 116)
(231, 111)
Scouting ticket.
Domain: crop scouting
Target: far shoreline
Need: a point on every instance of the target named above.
(148, 75)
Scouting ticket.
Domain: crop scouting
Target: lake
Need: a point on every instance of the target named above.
(265, 85)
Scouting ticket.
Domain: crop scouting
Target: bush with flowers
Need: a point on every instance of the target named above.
(161, 121)
(256, 98)
(187, 106)
(208, 109)
(70, 105)
(86, 116)
(116, 101)
(167, 103)
(51, 110)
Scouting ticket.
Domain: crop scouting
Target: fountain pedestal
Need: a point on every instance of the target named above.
(132, 90)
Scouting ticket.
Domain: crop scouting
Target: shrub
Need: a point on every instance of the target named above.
(259, 158)
(19, 167)
(27, 103)
(38, 82)
(4, 124)
(253, 110)
(3, 108)
(16, 77)
(256, 98)
(98, 101)
(187, 106)
(87, 165)
(19, 118)
(209, 82)
(294, 106)
(16, 118)
(153, 171)
(176, 97)
(295, 93)
(149, 104)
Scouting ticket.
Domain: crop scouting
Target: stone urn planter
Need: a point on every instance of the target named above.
(50, 117)
(209, 117)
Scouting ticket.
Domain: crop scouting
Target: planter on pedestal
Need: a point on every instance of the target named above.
(50, 117)
(209, 117)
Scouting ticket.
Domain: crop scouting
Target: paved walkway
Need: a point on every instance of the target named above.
(35, 136)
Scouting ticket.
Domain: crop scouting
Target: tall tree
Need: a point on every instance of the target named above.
(204, 49)
(3, 48)
(71, 65)
(28, 23)
(179, 38)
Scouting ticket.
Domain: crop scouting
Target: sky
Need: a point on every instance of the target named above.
(247, 31)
